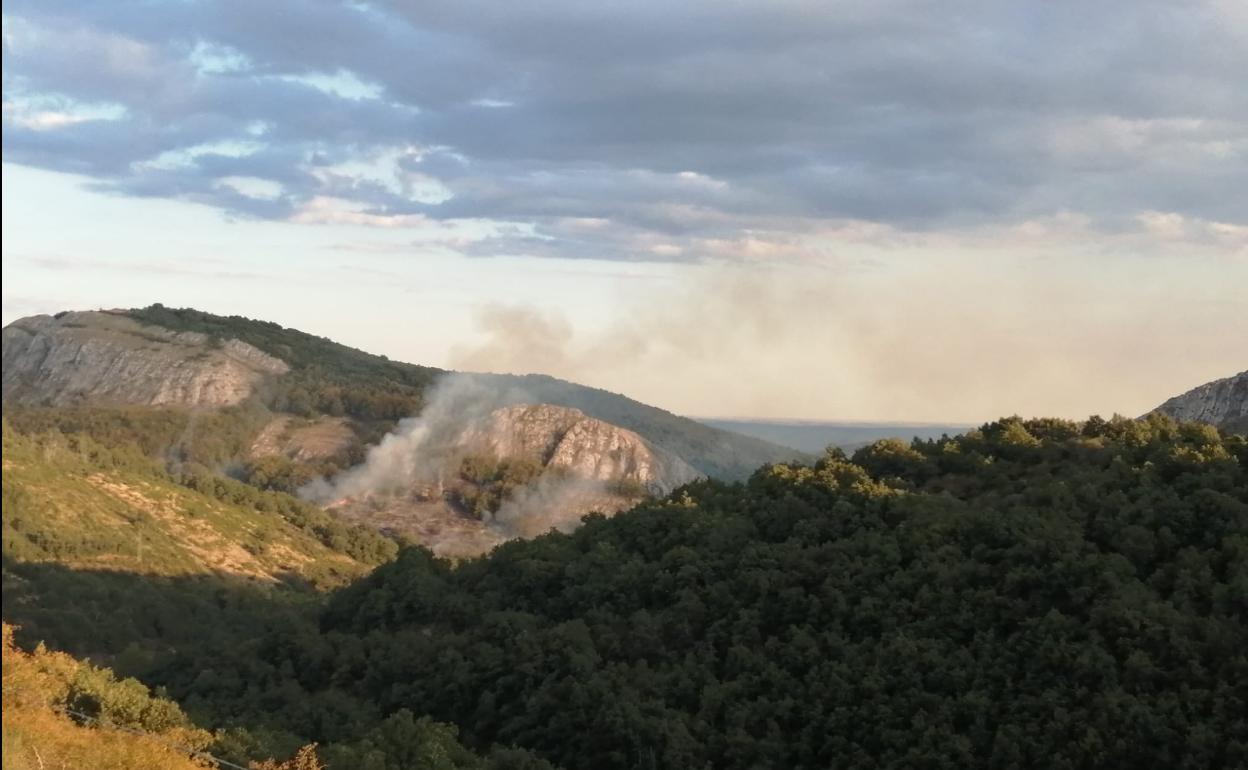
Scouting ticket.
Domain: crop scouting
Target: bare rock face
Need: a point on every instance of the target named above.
(1223, 403)
(107, 358)
(561, 437)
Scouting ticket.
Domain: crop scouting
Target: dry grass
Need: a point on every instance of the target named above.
(39, 737)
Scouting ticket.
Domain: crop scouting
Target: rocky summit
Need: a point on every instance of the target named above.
(108, 358)
(565, 438)
(1223, 403)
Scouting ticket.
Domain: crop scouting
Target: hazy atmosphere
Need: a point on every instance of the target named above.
(788, 210)
(567, 385)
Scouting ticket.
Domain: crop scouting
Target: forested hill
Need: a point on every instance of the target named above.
(1035, 593)
(329, 378)
(184, 358)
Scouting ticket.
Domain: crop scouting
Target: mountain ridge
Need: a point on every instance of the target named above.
(1222, 403)
(318, 376)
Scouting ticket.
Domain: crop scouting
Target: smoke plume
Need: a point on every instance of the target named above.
(423, 452)
(419, 449)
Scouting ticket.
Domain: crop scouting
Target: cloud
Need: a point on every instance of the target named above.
(680, 128)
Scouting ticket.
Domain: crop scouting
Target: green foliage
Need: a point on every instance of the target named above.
(281, 474)
(489, 481)
(63, 469)
(113, 702)
(172, 435)
(403, 742)
(1036, 593)
(358, 541)
(1032, 594)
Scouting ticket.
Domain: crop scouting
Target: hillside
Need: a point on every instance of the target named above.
(186, 358)
(108, 553)
(107, 358)
(1223, 403)
(70, 500)
(1033, 593)
(461, 483)
(122, 726)
(289, 412)
(720, 454)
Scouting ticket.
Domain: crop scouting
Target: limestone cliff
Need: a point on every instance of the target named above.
(1223, 403)
(561, 437)
(110, 359)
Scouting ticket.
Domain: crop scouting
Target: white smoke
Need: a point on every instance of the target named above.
(419, 449)
(549, 502)
(423, 452)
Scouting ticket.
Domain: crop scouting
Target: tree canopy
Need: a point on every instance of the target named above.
(1036, 593)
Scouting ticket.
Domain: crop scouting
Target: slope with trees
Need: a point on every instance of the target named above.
(1034, 593)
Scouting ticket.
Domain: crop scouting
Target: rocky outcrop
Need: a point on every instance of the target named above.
(105, 358)
(721, 454)
(1223, 403)
(561, 437)
(587, 465)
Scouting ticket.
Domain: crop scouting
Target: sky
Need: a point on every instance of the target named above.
(862, 210)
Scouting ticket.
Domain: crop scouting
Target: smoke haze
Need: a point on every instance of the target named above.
(963, 344)
(421, 449)
(424, 451)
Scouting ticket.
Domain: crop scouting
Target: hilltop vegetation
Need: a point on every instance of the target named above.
(1034, 593)
(325, 378)
(301, 375)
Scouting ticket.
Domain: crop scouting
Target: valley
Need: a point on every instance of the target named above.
(640, 385)
(524, 573)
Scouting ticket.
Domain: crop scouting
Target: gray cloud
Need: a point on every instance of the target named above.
(645, 130)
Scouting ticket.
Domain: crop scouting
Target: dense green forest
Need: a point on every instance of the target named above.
(1036, 593)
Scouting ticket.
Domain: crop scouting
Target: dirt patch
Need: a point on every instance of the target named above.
(271, 438)
(435, 523)
(304, 440)
(432, 523)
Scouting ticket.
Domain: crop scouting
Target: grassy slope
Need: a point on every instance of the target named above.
(61, 507)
